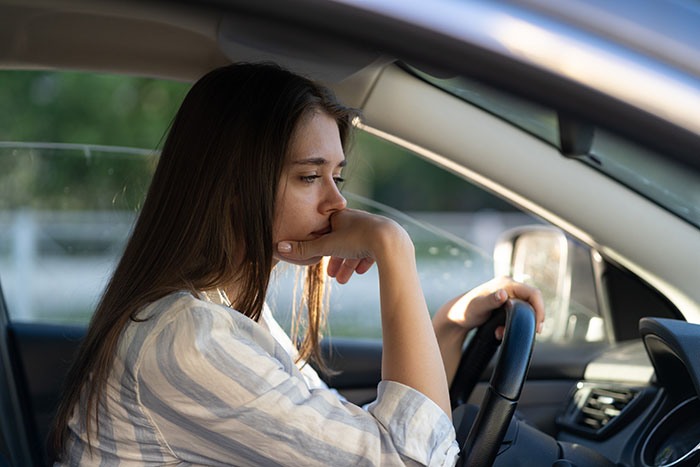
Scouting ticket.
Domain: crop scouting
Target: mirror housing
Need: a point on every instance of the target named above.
(566, 272)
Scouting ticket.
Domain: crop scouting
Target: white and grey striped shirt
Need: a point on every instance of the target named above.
(199, 383)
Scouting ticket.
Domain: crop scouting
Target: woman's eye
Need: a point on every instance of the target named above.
(338, 180)
(309, 178)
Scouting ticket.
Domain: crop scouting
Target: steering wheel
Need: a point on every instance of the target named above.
(501, 398)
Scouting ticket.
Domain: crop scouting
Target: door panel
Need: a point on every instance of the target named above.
(18, 438)
(43, 354)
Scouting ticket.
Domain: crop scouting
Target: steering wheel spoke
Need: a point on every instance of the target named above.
(501, 398)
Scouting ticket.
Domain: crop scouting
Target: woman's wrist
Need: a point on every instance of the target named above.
(447, 328)
(391, 243)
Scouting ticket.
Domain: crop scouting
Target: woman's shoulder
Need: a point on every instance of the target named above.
(171, 308)
(186, 333)
(183, 314)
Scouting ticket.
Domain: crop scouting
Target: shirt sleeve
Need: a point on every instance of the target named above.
(219, 395)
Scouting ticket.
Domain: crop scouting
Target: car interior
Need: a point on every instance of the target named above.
(618, 385)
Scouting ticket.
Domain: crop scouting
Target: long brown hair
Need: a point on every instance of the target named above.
(208, 216)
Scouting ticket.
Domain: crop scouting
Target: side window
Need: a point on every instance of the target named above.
(77, 152)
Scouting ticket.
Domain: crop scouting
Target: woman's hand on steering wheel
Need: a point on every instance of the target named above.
(465, 312)
(473, 308)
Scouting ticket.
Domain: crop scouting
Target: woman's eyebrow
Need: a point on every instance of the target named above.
(318, 161)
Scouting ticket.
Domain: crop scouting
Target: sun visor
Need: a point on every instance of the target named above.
(301, 49)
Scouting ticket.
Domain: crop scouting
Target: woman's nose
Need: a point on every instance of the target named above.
(334, 201)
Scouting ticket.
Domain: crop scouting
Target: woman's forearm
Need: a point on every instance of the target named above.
(450, 338)
(411, 355)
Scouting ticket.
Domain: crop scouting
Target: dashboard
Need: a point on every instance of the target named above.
(638, 404)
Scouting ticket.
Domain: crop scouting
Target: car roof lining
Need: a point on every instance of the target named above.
(179, 42)
(180, 46)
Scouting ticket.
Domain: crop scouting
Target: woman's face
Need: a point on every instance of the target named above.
(308, 189)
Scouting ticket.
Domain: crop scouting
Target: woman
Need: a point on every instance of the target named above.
(183, 362)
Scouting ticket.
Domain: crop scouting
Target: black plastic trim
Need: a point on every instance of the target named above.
(673, 347)
(569, 418)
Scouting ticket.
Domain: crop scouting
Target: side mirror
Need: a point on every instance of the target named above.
(564, 270)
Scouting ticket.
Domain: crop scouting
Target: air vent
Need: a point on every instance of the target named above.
(597, 410)
(603, 405)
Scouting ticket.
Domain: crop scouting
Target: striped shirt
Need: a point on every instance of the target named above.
(199, 383)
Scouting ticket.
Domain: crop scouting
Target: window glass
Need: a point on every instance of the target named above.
(72, 177)
(65, 215)
(536, 119)
(667, 183)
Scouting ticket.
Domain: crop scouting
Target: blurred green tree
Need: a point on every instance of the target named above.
(85, 109)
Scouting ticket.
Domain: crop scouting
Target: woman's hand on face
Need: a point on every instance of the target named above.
(356, 241)
(474, 308)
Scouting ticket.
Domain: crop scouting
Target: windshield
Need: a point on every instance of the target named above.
(663, 181)
(654, 176)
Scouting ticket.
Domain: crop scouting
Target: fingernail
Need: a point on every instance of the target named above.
(501, 294)
(284, 247)
(539, 327)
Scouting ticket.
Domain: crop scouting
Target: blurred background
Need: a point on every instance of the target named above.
(77, 151)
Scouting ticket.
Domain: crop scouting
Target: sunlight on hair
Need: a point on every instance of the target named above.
(315, 298)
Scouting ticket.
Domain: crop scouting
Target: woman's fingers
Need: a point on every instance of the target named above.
(498, 333)
(346, 269)
(475, 307)
(482, 305)
(300, 251)
(333, 266)
(531, 295)
(354, 235)
(364, 266)
(479, 307)
(338, 267)
(342, 269)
